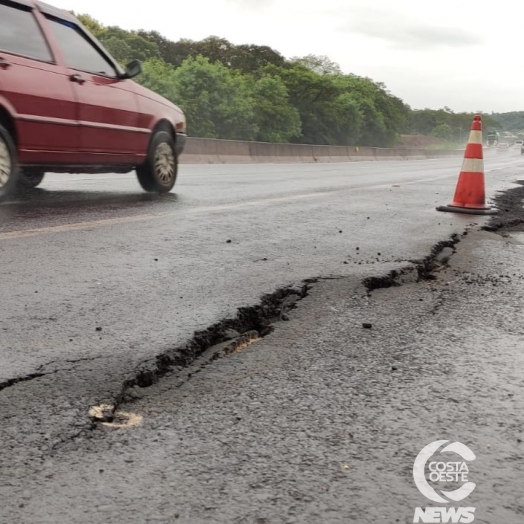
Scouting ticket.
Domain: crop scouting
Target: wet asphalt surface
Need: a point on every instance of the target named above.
(99, 278)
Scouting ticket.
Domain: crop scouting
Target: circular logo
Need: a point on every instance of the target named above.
(444, 471)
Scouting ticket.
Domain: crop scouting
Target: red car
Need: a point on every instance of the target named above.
(67, 106)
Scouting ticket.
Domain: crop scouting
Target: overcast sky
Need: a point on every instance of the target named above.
(465, 54)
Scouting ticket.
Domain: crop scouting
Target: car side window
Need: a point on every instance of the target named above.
(78, 51)
(20, 33)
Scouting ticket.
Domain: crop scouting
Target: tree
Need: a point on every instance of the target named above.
(123, 45)
(126, 45)
(425, 121)
(393, 111)
(276, 119)
(174, 53)
(94, 26)
(321, 65)
(245, 58)
(350, 119)
(159, 77)
(513, 121)
(313, 95)
(218, 102)
(216, 49)
(252, 58)
(443, 131)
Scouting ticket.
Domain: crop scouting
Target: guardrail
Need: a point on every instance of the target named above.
(214, 151)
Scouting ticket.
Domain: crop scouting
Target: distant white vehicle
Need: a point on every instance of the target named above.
(519, 143)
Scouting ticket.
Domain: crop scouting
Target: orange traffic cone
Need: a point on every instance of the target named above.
(470, 194)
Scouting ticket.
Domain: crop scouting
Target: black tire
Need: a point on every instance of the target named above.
(30, 180)
(159, 172)
(9, 171)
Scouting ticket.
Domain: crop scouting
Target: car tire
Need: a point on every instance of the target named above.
(9, 171)
(159, 172)
(30, 180)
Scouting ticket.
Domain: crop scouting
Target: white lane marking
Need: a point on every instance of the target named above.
(204, 209)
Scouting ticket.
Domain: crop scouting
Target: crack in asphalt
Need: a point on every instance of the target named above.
(232, 335)
(254, 323)
(226, 336)
(14, 381)
(419, 271)
(74, 436)
(40, 373)
(69, 361)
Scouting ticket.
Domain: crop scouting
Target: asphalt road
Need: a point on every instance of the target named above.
(99, 277)
(94, 251)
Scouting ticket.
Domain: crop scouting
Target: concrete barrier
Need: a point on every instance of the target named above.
(201, 151)
(280, 153)
(214, 151)
(330, 153)
(361, 154)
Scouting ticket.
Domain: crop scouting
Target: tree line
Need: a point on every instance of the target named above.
(251, 92)
(446, 124)
(512, 121)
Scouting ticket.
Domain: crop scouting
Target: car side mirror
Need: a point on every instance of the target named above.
(134, 68)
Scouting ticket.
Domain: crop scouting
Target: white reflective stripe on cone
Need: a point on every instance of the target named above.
(473, 165)
(475, 137)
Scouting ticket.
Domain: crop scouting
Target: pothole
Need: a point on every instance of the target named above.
(108, 416)
(124, 419)
(102, 413)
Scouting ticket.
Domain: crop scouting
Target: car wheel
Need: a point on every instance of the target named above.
(30, 180)
(8, 164)
(159, 172)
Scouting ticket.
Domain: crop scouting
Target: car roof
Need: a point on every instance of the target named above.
(47, 9)
(54, 11)
(28, 3)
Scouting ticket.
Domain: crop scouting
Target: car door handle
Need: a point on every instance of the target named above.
(4, 64)
(79, 79)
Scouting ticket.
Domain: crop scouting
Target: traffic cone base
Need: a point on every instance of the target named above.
(470, 194)
(468, 210)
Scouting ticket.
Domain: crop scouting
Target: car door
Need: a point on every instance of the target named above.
(34, 89)
(107, 111)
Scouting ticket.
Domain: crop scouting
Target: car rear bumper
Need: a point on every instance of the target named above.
(180, 142)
